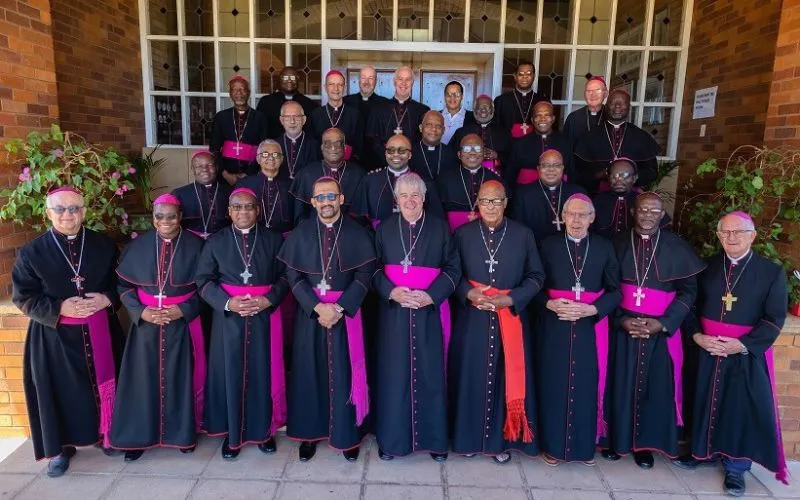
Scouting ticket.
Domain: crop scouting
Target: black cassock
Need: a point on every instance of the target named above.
(320, 382)
(644, 414)
(613, 213)
(430, 161)
(494, 137)
(224, 129)
(458, 188)
(476, 380)
(410, 396)
(389, 116)
(61, 389)
(346, 118)
(275, 203)
(365, 107)
(567, 368)
(156, 403)
(525, 154)
(513, 107)
(377, 197)
(598, 148)
(582, 121)
(239, 390)
(297, 153)
(536, 205)
(734, 406)
(350, 177)
(270, 107)
(204, 209)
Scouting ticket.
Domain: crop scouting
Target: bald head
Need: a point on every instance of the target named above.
(492, 189)
(398, 140)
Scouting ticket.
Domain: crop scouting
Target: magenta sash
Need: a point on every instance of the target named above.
(517, 131)
(359, 392)
(276, 368)
(348, 151)
(527, 175)
(601, 344)
(104, 371)
(457, 218)
(719, 329)
(247, 152)
(493, 165)
(198, 350)
(655, 303)
(420, 278)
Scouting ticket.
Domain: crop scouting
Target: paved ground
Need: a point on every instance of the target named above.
(169, 475)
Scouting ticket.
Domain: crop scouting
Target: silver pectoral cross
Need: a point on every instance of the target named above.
(323, 287)
(398, 130)
(405, 263)
(78, 280)
(491, 263)
(578, 289)
(638, 295)
(558, 223)
(160, 297)
(246, 275)
(238, 148)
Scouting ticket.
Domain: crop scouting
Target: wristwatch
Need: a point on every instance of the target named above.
(339, 309)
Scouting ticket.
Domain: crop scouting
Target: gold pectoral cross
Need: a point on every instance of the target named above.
(729, 299)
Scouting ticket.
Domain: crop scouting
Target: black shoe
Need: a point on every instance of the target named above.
(439, 457)
(227, 452)
(643, 459)
(268, 446)
(686, 462)
(609, 454)
(133, 455)
(734, 484)
(307, 450)
(383, 456)
(188, 450)
(351, 455)
(58, 465)
(109, 452)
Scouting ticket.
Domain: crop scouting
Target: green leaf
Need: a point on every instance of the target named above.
(757, 182)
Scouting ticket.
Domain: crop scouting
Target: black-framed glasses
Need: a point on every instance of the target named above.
(397, 151)
(169, 217)
(326, 197)
(332, 144)
(58, 209)
(240, 207)
(471, 148)
(273, 156)
(736, 233)
(485, 202)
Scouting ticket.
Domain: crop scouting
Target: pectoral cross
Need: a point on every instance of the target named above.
(160, 297)
(405, 263)
(204, 235)
(578, 289)
(323, 287)
(729, 299)
(558, 223)
(398, 130)
(524, 128)
(395, 209)
(491, 263)
(78, 280)
(238, 148)
(472, 216)
(246, 275)
(638, 295)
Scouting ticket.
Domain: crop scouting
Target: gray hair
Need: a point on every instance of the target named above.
(590, 203)
(412, 180)
(266, 142)
(750, 225)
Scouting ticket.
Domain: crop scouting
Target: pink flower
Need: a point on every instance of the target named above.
(24, 177)
(58, 153)
(118, 192)
(26, 170)
(125, 187)
(116, 175)
(131, 170)
(134, 235)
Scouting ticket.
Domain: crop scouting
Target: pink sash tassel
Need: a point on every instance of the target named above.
(348, 151)
(656, 303)
(527, 176)
(601, 345)
(493, 165)
(247, 152)
(359, 392)
(457, 218)
(719, 329)
(198, 350)
(104, 371)
(276, 368)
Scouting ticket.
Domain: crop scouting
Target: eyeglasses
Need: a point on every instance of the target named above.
(577, 215)
(525, 73)
(435, 126)
(736, 233)
(471, 148)
(326, 197)
(292, 118)
(165, 216)
(453, 94)
(332, 144)
(594, 91)
(273, 156)
(60, 210)
(553, 166)
(485, 202)
(621, 175)
(289, 78)
(397, 151)
(240, 207)
(651, 211)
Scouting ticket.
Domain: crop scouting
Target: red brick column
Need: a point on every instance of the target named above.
(783, 114)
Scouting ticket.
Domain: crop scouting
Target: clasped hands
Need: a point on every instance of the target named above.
(719, 346)
(162, 315)
(412, 299)
(248, 305)
(641, 328)
(83, 307)
(486, 302)
(570, 310)
(327, 315)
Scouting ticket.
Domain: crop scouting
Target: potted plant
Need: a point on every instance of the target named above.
(147, 165)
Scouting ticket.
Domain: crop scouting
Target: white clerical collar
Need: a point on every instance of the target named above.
(575, 240)
(335, 108)
(288, 97)
(414, 222)
(241, 111)
(431, 147)
(365, 97)
(593, 113)
(497, 227)
(736, 260)
(644, 236)
(399, 173)
(524, 92)
(330, 225)
(473, 171)
(208, 186)
(245, 230)
(402, 101)
(484, 125)
(269, 179)
(621, 197)
(72, 236)
(543, 136)
(616, 126)
(294, 139)
(553, 188)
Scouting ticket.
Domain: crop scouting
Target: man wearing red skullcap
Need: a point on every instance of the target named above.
(336, 114)
(583, 120)
(64, 281)
(161, 386)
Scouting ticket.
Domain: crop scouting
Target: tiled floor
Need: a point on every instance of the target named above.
(170, 475)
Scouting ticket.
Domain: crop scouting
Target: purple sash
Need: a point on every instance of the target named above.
(359, 392)
(198, 350)
(601, 344)
(420, 278)
(493, 165)
(457, 218)
(518, 131)
(104, 371)
(719, 329)
(656, 303)
(527, 175)
(247, 152)
(276, 368)
(348, 151)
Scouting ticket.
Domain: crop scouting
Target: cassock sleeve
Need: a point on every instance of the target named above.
(613, 296)
(281, 286)
(207, 279)
(533, 277)
(766, 331)
(29, 296)
(445, 284)
(302, 291)
(686, 293)
(127, 294)
(380, 283)
(110, 290)
(354, 294)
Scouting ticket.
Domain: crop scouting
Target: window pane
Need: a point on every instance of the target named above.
(234, 18)
(167, 114)
(383, 87)
(376, 23)
(551, 74)
(511, 59)
(560, 112)
(588, 63)
(412, 20)
(305, 20)
(557, 21)
(667, 18)
(656, 122)
(661, 77)
(270, 60)
(521, 21)
(342, 20)
(308, 61)
(594, 22)
(448, 21)
(270, 18)
(630, 23)
(484, 22)
(234, 59)
(198, 16)
(201, 113)
(163, 17)
(200, 66)
(166, 70)
(625, 70)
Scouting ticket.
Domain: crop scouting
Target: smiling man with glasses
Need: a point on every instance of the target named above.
(271, 187)
(204, 201)
(299, 148)
(584, 120)
(289, 81)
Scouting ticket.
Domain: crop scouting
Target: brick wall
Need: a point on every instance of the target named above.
(783, 114)
(13, 413)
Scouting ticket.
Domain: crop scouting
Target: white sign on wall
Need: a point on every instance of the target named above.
(704, 103)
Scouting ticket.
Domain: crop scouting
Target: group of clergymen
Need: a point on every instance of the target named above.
(404, 302)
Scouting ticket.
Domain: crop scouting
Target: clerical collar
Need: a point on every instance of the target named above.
(524, 93)
(472, 171)
(646, 236)
(401, 101)
(245, 230)
(735, 260)
(484, 125)
(576, 240)
(397, 173)
(242, 111)
(593, 113)
(365, 97)
(335, 108)
(431, 147)
(67, 236)
(208, 186)
(294, 139)
(414, 222)
(616, 126)
(332, 167)
(288, 97)
(543, 136)
(553, 188)
(497, 227)
(329, 225)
